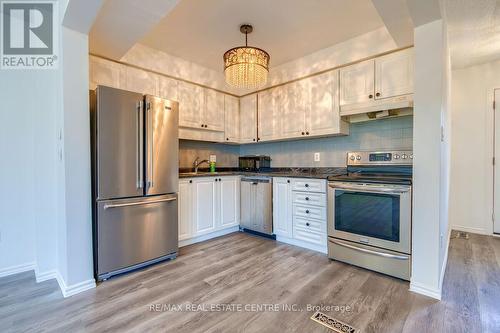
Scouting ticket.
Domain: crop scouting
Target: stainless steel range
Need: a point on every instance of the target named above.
(369, 212)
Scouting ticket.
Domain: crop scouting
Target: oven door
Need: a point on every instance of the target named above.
(371, 214)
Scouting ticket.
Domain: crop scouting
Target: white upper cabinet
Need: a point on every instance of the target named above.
(168, 88)
(191, 101)
(269, 123)
(232, 119)
(248, 119)
(394, 74)
(106, 73)
(141, 81)
(357, 83)
(295, 100)
(324, 110)
(212, 114)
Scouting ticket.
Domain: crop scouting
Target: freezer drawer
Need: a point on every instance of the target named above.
(135, 231)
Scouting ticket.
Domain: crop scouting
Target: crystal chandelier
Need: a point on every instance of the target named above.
(246, 66)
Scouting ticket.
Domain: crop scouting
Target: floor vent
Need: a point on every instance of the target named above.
(461, 235)
(332, 323)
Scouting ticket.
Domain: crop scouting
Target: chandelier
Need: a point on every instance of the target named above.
(246, 66)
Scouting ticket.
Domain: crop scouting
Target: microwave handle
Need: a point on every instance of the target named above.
(360, 249)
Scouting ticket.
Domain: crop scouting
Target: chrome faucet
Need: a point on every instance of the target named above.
(196, 164)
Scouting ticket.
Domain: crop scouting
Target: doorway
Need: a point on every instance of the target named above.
(496, 164)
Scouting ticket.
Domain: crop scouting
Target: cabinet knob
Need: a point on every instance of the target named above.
(288, 181)
(307, 133)
(220, 179)
(202, 125)
(206, 126)
(227, 139)
(253, 139)
(308, 224)
(307, 185)
(307, 211)
(307, 198)
(377, 94)
(190, 182)
(370, 96)
(215, 179)
(303, 133)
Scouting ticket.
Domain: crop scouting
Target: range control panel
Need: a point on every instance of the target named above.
(396, 157)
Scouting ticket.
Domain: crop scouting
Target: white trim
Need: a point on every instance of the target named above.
(472, 230)
(76, 288)
(424, 290)
(208, 236)
(445, 260)
(306, 245)
(489, 168)
(44, 276)
(17, 269)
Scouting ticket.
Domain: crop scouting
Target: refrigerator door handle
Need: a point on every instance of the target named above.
(138, 203)
(139, 143)
(150, 145)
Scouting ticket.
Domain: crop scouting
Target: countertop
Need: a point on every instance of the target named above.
(318, 173)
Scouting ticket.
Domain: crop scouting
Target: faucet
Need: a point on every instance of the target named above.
(196, 164)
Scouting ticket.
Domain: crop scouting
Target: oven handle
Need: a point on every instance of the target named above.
(371, 190)
(381, 254)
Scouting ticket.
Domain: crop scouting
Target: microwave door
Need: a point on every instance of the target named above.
(118, 141)
(162, 146)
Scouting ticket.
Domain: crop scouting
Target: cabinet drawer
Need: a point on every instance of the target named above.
(309, 224)
(309, 236)
(309, 199)
(309, 212)
(309, 185)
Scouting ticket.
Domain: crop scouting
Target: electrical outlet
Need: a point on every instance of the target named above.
(317, 157)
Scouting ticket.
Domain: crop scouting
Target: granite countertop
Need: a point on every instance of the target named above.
(319, 173)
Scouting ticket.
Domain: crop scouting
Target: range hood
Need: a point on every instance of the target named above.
(377, 109)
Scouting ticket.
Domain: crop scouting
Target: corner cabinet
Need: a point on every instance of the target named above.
(248, 119)
(231, 119)
(208, 207)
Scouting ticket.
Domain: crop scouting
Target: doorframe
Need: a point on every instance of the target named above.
(490, 167)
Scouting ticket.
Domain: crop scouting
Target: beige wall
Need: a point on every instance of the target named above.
(227, 155)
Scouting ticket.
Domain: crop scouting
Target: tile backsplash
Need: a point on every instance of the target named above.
(394, 133)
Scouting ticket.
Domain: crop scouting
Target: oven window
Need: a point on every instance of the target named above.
(368, 214)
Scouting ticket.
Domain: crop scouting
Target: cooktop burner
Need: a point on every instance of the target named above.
(381, 167)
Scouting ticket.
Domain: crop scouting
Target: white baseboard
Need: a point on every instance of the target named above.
(44, 276)
(17, 269)
(480, 231)
(76, 288)
(306, 245)
(205, 237)
(424, 290)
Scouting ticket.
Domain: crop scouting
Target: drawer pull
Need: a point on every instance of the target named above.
(307, 198)
(307, 223)
(307, 185)
(307, 211)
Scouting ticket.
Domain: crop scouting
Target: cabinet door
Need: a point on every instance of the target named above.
(248, 119)
(357, 83)
(324, 111)
(231, 119)
(213, 115)
(185, 209)
(106, 73)
(394, 74)
(229, 198)
(190, 105)
(282, 207)
(140, 81)
(293, 115)
(167, 88)
(204, 194)
(269, 103)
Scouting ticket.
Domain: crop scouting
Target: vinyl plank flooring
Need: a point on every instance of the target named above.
(242, 269)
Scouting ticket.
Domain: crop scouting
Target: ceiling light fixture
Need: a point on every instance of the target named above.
(246, 66)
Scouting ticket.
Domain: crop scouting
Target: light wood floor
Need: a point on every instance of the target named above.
(244, 269)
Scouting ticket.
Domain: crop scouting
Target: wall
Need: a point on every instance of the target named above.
(429, 196)
(471, 198)
(227, 155)
(395, 133)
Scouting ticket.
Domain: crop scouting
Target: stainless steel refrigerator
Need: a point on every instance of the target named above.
(135, 180)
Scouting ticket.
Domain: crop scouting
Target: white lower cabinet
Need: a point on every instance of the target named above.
(208, 207)
(299, 212)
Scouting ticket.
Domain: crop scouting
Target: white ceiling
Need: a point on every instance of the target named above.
(474, 31)
(202, 30)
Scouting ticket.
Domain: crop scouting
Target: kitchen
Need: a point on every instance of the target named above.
(206, 186)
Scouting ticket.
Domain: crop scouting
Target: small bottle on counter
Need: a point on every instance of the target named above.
(213, 159)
